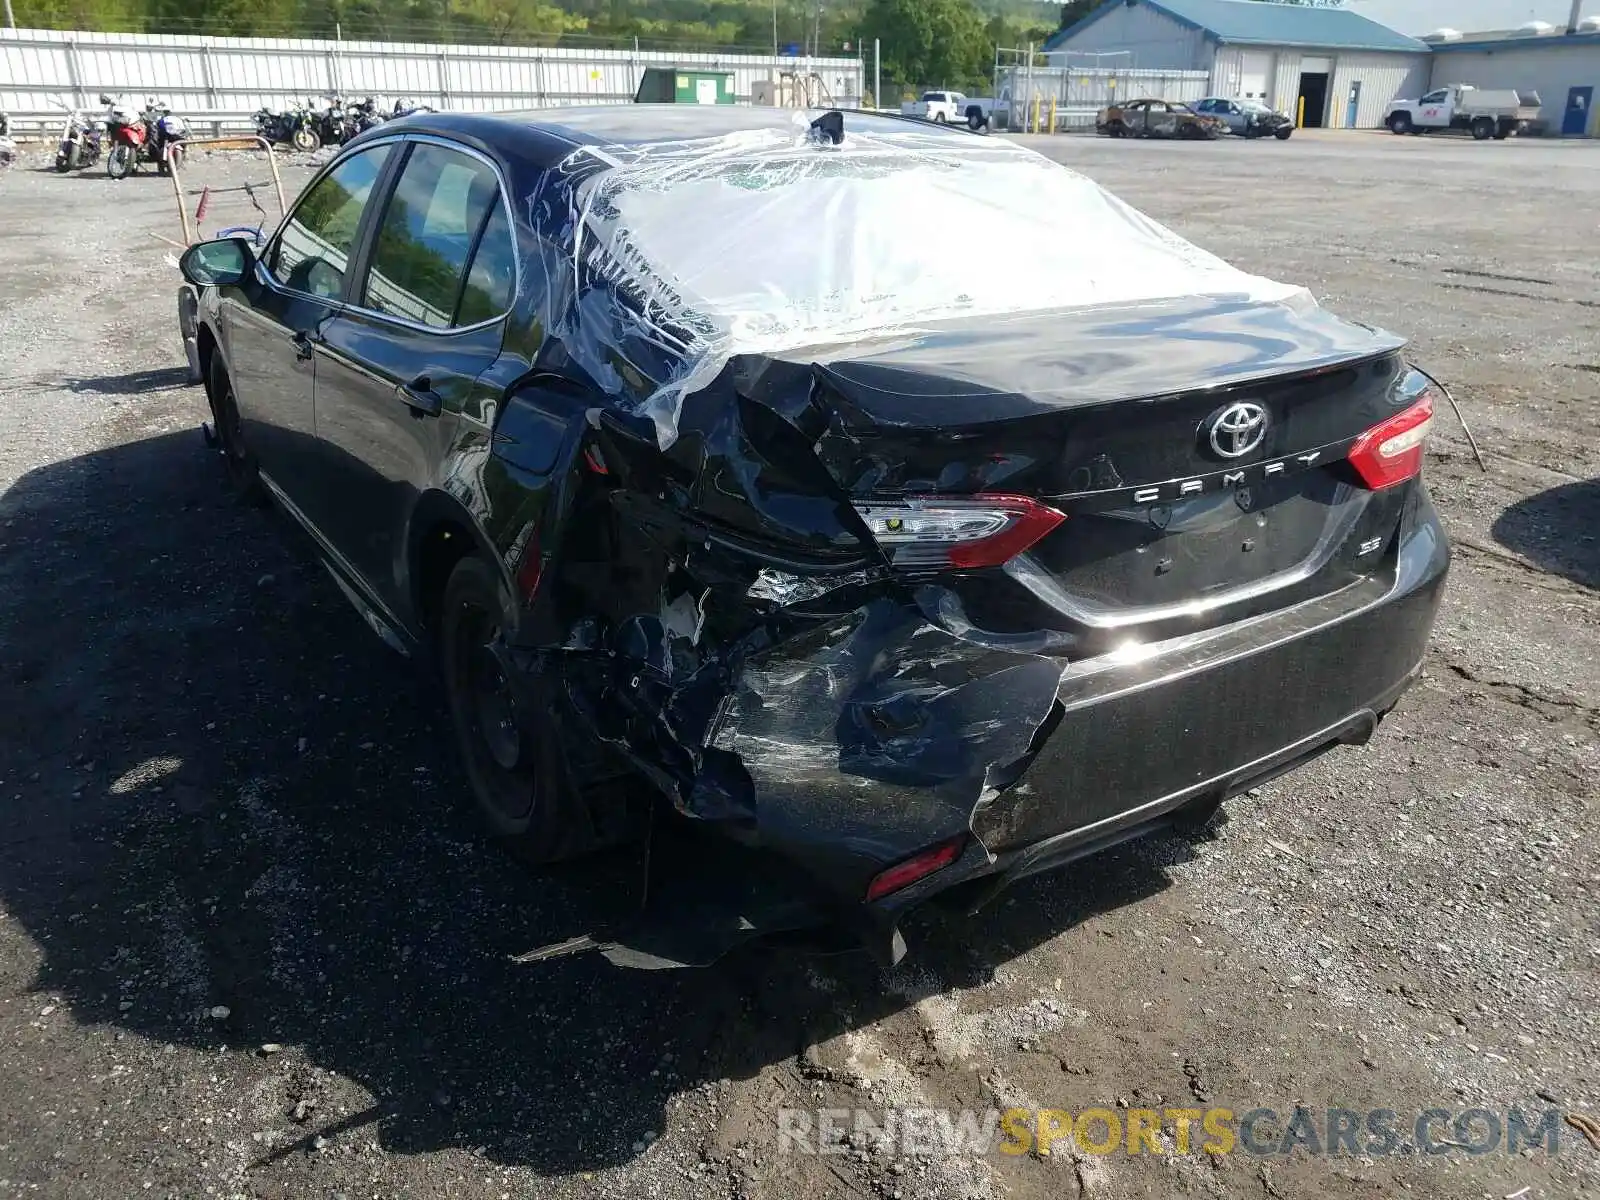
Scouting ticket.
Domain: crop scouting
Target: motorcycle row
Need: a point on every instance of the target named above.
(307, 127)
(128, 138)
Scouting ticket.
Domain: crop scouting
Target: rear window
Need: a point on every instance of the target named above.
(761, 238)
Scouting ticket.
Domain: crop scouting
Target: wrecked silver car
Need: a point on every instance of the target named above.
(729, 491)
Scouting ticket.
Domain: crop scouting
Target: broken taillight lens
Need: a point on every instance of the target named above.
(958, 531)
(1391, 451)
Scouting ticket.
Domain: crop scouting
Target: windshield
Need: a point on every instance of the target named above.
(760, 240)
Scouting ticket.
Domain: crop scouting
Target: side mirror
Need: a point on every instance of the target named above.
(222, 263)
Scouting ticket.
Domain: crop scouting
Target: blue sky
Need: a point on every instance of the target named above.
(1418, 17)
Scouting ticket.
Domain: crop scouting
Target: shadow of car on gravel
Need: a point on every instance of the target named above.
(1558, 530)
(132, 384)
(222, 790)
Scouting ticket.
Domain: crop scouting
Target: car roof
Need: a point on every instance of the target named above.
(550, 134)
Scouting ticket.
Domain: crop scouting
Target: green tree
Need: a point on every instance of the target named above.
(930, 42)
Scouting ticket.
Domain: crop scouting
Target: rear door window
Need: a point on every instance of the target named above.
(443, 200)
(313, 250)
(492, 278)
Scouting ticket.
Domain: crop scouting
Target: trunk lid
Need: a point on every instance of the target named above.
(1198, 449)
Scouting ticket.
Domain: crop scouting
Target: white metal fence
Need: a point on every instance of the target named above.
(221, 81)
(1079, 93)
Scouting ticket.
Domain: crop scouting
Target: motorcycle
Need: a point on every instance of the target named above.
(8, 148)
(367, 114)
(294, 127)
(404, 107)
(79, 145)
(154, 135)
(335, 124)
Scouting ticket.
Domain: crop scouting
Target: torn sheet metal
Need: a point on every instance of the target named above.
(886, 232)
(872, 736)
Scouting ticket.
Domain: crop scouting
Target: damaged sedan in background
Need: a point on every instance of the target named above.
(731, 496)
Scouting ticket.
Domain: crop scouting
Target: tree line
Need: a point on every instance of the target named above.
(925, 43)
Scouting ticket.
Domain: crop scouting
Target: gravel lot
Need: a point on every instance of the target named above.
(252, 943)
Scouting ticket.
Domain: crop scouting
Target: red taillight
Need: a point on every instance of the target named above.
(958, 531)
(903, 875)
(1391, 452)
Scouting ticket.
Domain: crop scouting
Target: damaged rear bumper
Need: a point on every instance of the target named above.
(886, 732)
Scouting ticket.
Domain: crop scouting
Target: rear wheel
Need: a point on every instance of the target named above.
(939, 118)
(120, 161)
(1483, 128)
(511, 754)
(1283, 134)
(305, 138)
(1400, 123)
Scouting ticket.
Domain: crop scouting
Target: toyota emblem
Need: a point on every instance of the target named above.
(1237, 429)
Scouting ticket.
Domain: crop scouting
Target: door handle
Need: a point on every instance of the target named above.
(420, 397)
(303, 349)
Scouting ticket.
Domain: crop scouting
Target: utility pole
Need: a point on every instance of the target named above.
(816, 33)
(774, 27)
(11, 17)
(877, 72)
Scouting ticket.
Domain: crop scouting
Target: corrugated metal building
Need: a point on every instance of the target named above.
(1564, 69)
(1329, 66)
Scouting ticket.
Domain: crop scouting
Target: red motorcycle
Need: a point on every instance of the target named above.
(154, 136)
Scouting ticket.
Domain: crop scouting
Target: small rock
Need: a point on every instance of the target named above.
(1548, 1097)
(303, 1110)
(270, 1048)
(301, 745)
(441, 1099)
(319, 1142)
(221, 1012)
(266, 581)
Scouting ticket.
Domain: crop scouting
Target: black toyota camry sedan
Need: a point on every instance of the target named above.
(890, 507)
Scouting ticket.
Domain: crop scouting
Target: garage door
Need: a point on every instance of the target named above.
(1256, 76)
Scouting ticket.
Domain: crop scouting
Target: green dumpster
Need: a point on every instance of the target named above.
(672, 85)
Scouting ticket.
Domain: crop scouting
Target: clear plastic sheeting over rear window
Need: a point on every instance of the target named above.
(766, 240)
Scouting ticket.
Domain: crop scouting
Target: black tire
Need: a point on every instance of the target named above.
(61, 162)
(1483, 129)
(1501, 135)
(1283, 134)
(243, 471)
(1400, 123)
(120, 161)
(939, 119)
(512, 755)
(305, 139)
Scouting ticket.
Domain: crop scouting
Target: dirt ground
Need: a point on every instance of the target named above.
(253, 944)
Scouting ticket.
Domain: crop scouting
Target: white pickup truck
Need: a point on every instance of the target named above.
(1486, 112)
(949, 108)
